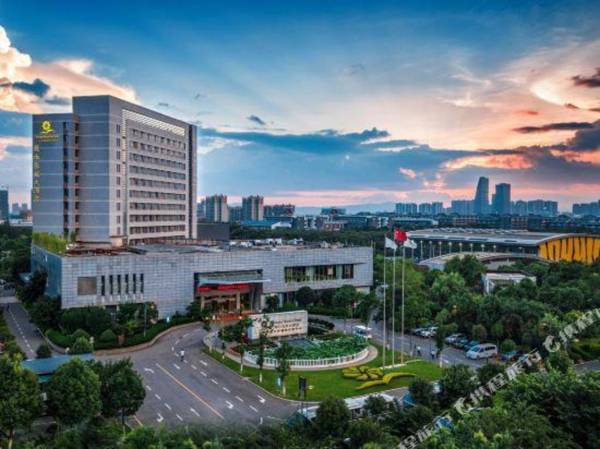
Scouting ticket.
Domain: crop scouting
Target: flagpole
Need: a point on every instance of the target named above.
(402, 322)
(384, 303)
(394, 309)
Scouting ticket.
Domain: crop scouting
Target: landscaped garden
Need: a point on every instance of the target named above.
(320, 348)
(325, 383)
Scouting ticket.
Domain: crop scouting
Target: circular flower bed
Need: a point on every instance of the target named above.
(315, 348)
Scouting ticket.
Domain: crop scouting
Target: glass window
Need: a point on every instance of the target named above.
(86, 285)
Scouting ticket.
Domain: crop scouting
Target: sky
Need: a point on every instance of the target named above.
(328, 102)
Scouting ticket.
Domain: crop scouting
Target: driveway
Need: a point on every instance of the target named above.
(26, 333)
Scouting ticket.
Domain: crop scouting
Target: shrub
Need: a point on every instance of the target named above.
(93, 320)
(43, 351)
(80, 333)
(58, 338)
(81, 346)
(108, 336)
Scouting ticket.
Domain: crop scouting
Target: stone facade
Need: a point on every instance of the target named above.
(167, 278)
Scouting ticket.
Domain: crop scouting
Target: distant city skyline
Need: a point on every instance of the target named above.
(329, 104)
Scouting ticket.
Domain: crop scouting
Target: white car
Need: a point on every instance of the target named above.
(429, 332)
(482, 351)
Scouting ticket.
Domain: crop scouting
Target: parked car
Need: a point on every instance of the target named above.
(482, 351)
(418, 330)
(468, 345)
(450, 339)
(429, 332)
(511, 356)
(460, 342)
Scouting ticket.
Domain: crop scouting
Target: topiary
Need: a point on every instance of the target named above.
(108, 336)
(80, 333)
(82, 345)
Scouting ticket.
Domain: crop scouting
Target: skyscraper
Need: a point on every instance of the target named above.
(481, 203)
(215, 209)
(3, 204)
(113, 172)
(502, 199)
(253, 208)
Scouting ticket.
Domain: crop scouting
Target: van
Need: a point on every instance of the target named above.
(362, 331)
(482, 351)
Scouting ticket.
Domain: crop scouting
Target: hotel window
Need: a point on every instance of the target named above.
(141, 282)
(118, 284)
(118, 155)
(347, 271)
(118, 127)
(126, 284)
(118, 168)
(110, 284)
(118, 206)
(118, 142)
(134, 283)
(103, 285)
(118, 180)
(86, 285)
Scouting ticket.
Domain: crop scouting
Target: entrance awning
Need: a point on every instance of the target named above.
(231, 278)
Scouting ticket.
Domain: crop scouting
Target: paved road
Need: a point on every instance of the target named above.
(450, 355)
(199, 389)
(26, 334)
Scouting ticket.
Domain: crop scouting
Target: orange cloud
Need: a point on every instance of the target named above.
(66, 78)
(506, 161)
(592, 157)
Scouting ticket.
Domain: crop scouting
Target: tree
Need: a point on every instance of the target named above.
(364, 431)
(74, 393)
(374, 407)
(456, 382)
(272, 303)
(122, 390)
(559, 361)
(305, 296)
(43, 351)
(34, 288)
(365, 307)
(508, 345)
(469, 268)
(282, 355)
(332, 418)
(20, 397)
(421, 392)
(442, 332)
(266, 324)
(45, 312)
(478, 332)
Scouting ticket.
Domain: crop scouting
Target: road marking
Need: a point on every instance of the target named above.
(261, 399)
(179, 417)
(185, 361)
(261, 420)
(239, 399)
(149, 370)
(137, 420)
(194, 367)
(185, 335)
(203, 362)
(214, 382)
(226, 389)
(173, 349)
(148, 387)
(160, 417)
(203, 373)
(157, 396)
(186, 388)
(168, 406)
(229, 405)
(194, 412)
(176, 366)
(254, 408)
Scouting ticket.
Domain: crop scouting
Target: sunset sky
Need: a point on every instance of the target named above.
(328, 102)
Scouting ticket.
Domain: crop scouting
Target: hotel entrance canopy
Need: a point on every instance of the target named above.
(231, 278)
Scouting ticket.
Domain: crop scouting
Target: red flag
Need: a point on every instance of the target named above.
(400, 235)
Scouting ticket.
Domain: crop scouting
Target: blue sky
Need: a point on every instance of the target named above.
(328, 102)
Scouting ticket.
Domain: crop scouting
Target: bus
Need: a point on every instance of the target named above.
(362, 331)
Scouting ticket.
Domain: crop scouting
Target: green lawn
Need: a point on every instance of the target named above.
(326, 383)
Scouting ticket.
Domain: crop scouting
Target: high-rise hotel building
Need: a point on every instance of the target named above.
(112, 172)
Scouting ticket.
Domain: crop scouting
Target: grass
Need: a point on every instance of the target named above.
(330, 382)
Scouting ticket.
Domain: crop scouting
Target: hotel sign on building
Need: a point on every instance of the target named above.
(285, 324)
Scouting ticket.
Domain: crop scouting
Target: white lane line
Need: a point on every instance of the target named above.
(176, 366)
(149, 370)
(160, 418)
(203, 362)
(194, 367)
(226, 390)
(239, 399)
(168, 406)
(229, 405)
(214, 382)
(194, 412)
(157, 396)
(254, 408)
(148, 387)
(203, 373)
(261, 399)
(179, 417)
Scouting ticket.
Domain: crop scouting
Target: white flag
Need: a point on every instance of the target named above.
(408, 243)
(389, 243)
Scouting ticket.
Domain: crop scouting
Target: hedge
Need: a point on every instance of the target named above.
(59, 339)
(385, 380)
(587, 349)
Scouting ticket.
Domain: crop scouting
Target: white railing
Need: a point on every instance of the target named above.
(329, 362)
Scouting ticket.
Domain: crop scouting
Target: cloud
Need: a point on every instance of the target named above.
(527, 112)
(256, 119)
(566, 126)
(571, 106)
(14, 145)
(588, 81)
(355, 69)
(408, 172)
(33, 87)
(586, 140)
(163, 104)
